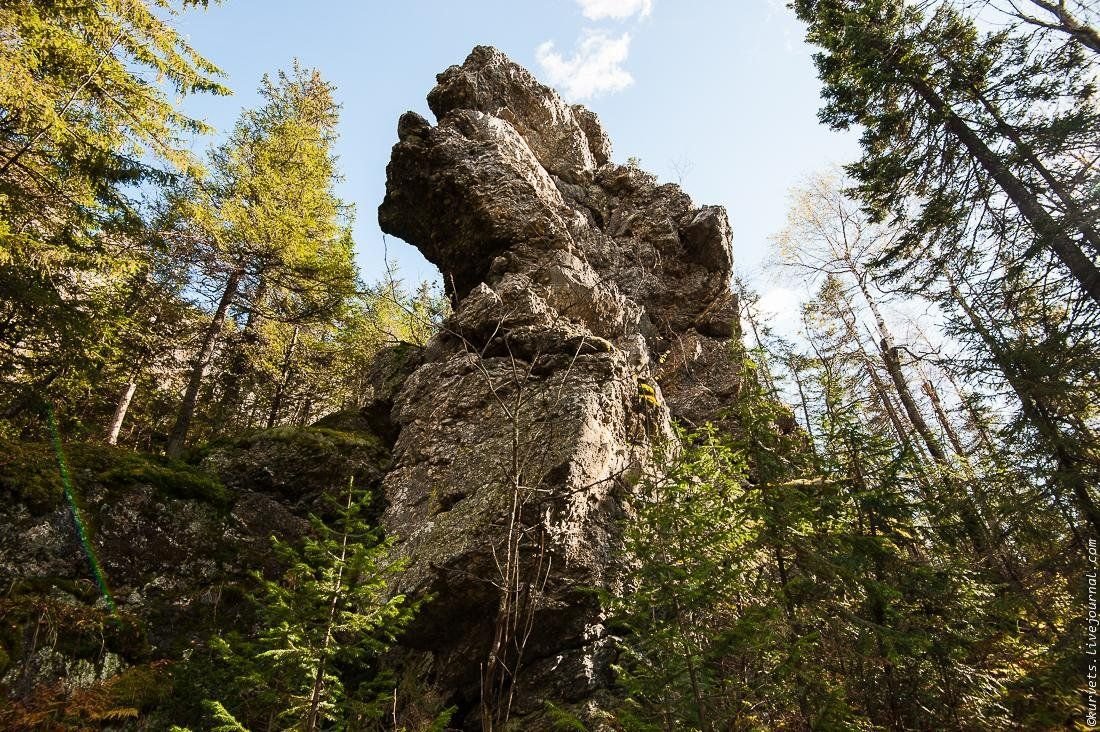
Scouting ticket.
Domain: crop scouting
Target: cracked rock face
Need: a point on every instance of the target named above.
(592, 308)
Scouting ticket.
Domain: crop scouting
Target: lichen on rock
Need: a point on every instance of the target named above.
(178, 545)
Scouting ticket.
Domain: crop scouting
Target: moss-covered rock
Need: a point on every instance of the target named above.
(172, 479)
(178, 543)
(301, 465)
(30, 474)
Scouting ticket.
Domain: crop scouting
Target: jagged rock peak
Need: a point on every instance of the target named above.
(567, 140)
(510, 163)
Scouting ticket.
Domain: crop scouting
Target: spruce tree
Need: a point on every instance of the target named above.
(322, 626)
(949, 122)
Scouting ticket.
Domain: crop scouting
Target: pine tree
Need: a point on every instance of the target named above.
(322, 627)
(80, 131)
(949, 120)
(827, 234)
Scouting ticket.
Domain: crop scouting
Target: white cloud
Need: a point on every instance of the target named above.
(617, 9)
(595, 67)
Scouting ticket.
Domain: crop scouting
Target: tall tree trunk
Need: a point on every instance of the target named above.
(198, 368)
(284, 377)
(945, 422)
(1067, 23)
(120, 412)
(238, 363)
(1069, 473)
(763, 367)
(304, 409)
(1042, 223)
(797, 374)
(975, 527)
(996, 528)
(975, 422)
(848, 317)
(976, 530)
(888, 406)
(1074, 213)
(693, 674)
(892, 360)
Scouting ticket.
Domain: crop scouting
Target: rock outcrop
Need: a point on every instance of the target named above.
(592, 308)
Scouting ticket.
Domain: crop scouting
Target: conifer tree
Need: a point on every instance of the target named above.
(322, 627)
(273, 238)
(1077, 19)
(688, 527)
(81, 129)
(1015, 472)
(949, 121)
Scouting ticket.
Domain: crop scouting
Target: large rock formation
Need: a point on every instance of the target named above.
(592, 307)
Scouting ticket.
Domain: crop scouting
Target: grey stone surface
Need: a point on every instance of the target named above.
(592, 307)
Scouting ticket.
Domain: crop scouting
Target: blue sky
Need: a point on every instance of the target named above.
(719, 95)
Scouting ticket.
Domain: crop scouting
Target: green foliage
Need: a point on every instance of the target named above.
(322, 439)
(387, 317)
(1025, 103)
(561, 720)
(29, 474)
(68, 626)
(220, 718)
(977, 144)
(236, 284)
(976, 148)
(419, 704)
(322, 628)
(82, 128)
(170, 477)
(271, 237)
(860, 570)
(442, 722)
(775, 585)
(688, 526)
